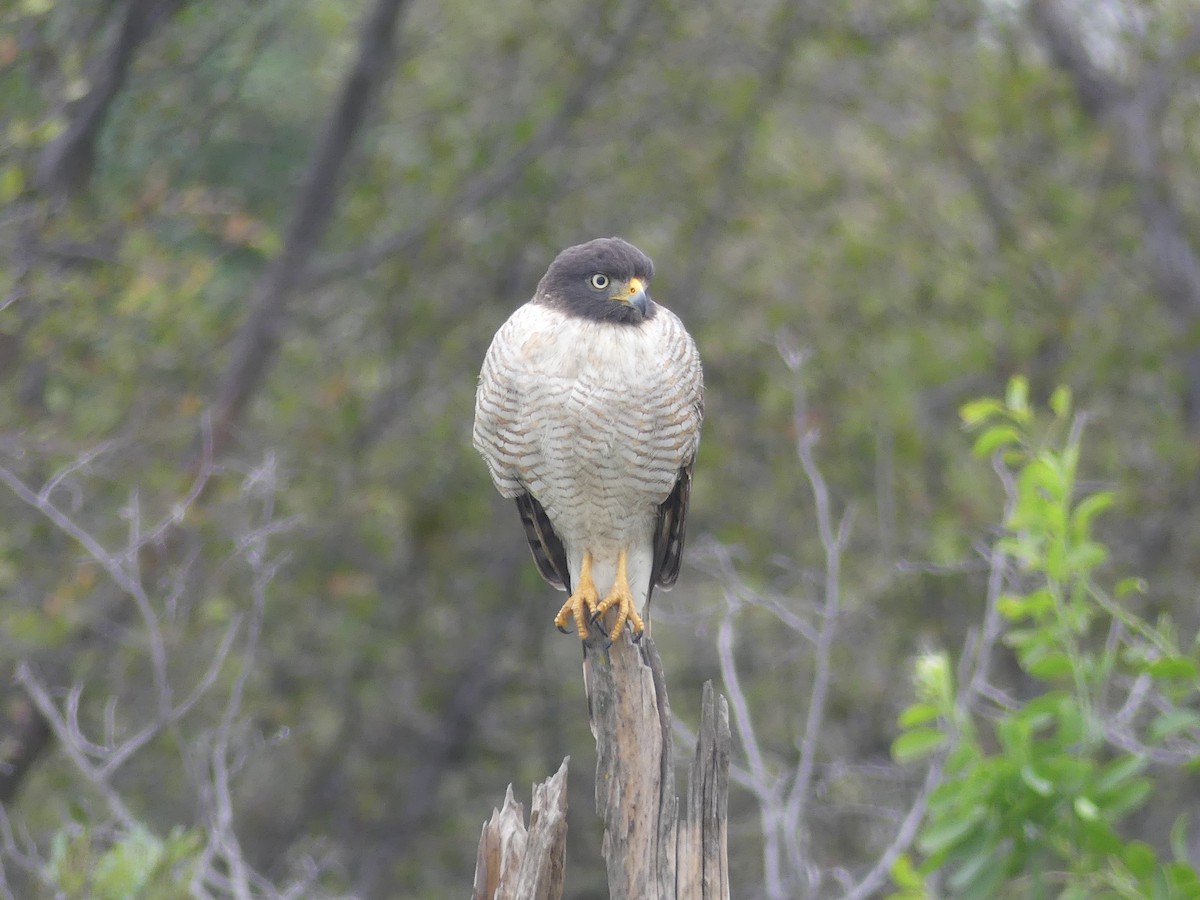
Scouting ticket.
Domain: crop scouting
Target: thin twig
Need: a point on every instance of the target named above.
(41, 699)
(204, 471)
(80, 463)
(878, 874)
(116, 571)
(221, 831)
(121, 754)
(26, 859)
(762, 783)
(833, 543)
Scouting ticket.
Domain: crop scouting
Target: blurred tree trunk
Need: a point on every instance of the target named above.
(1133, 115)
(654, 849)
(66, 165)
(259, 337)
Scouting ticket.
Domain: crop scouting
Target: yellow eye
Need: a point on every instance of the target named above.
(598, 281)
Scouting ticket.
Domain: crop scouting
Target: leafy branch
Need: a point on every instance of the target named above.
(1038, 804)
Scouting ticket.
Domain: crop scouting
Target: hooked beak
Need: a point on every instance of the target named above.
(633, 293)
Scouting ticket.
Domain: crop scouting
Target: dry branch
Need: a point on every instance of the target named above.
(515, 863)
(654, 848)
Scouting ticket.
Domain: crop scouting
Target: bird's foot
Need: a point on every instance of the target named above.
(621, 597)
(582, 604)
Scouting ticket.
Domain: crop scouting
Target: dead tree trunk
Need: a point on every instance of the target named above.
(515, 863)
(654, 847)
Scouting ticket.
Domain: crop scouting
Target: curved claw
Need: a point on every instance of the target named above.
(580, 603)
(620, 597)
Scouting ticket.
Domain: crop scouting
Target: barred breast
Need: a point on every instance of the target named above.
(593, 419)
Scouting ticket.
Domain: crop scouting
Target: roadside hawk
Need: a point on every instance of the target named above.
(588, 414)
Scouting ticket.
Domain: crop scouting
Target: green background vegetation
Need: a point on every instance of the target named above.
(866, 213)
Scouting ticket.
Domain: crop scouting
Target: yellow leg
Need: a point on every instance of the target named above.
(622, 598)
(585, 598)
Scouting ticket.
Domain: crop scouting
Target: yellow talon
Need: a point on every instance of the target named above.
(585, 596)
(622, 598)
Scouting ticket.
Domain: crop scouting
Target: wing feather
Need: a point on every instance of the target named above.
(548, 552)
(669, 530)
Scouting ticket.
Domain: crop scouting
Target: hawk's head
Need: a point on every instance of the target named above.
(604, 279)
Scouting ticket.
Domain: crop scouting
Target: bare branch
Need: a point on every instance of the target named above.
(26, 858)
(116, 570)
(223, 841)
(878, 875)
(128, 748)
(833, 543)
(79, 464)
(41, 699)
(202, 472)
(72, 717)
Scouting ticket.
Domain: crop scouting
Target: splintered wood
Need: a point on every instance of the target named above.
(655, 848)
(515, 863)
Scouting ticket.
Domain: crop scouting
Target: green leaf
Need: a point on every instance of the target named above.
(12, 182)
(1127, 586)
(949, 830)
(975, 412)
(1173, 722)
(1126, 798)
(1060, 401)
(904, 874)
(1026, 638)
(918, 714)
(1173, 667)
(1140, 859)
(1118, 772)
(1086, 809)
(1016, 398)
(1050, 666)
(916, 743)
(1179, 839)
(1035, 604)
(995, 438)
(961, 758)
(1014, 735)
(1183, 883)
(1087, 509)
(1043, 787)
(978, 878)
(1086, 556)
(124, 870)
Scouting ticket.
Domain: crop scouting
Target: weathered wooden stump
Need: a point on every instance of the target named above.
(515, 863)
(654, 847)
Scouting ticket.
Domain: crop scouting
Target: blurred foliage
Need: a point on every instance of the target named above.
(138, 864)
(911, 191)
(1033, 797)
